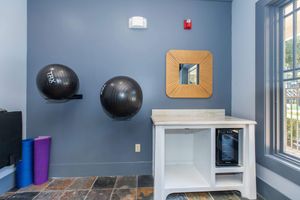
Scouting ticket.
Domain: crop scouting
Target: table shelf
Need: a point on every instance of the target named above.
(229, 180)
(184, 176)
(229, 169)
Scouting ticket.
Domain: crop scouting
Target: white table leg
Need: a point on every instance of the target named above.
(249, 190)
(159, 162)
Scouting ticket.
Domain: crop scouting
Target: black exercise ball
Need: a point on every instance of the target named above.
(57, 82)
(121, 97)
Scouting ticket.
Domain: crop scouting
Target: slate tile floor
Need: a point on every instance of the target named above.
(105, 188)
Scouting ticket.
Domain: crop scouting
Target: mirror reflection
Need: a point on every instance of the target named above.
(189, 74)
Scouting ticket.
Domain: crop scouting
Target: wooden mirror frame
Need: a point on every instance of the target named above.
(173, 87)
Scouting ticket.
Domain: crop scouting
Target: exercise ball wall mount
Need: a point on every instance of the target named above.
(58, 83)
(74, 97)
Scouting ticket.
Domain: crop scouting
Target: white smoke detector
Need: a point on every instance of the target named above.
(137, 22)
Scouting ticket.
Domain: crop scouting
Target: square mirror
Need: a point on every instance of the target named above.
(189, 74)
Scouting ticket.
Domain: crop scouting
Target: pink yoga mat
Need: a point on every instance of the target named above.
(41, 146)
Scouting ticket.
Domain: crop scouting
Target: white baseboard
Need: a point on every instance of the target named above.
(281, 184)
(7, 179)
(6, 171)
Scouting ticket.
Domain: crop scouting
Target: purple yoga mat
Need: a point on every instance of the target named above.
(41, 146)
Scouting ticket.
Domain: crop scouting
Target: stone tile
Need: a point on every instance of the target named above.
(34, 188)
(105, 182)
(49, 195)
(177, 196)
(238, 194)
(13, 189)
(145, 193)
(226, 195)
(145, 181)
(6, 195)
(103, 194)
(260, 197)
(198, 196)
(123, 194)
(74, 195)
(82, 183)
(126, 182)
(23, 196)
(60, 184)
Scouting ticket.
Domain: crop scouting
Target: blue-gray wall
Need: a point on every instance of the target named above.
(93, 38)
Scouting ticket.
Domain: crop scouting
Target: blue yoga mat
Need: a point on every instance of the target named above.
(24, 172)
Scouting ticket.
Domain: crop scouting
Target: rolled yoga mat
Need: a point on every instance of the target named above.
(41, 159)
(24, 172)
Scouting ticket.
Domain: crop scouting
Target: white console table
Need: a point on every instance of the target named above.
(184, 153)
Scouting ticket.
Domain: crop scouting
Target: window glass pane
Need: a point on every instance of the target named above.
(298, 41)
(288, 42)
(298, 4)
(291, 117)
(297, 74)
(287, 75)
(288, 9)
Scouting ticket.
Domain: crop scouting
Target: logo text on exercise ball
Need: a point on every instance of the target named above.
(51, 78)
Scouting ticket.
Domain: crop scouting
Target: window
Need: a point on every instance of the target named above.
(276, 82)
(289, 77)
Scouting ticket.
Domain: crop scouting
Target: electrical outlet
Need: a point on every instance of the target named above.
(137, 148)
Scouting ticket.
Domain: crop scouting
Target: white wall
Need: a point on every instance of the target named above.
(13, 45)
(13, 49)
(13, 36)
(243, 81)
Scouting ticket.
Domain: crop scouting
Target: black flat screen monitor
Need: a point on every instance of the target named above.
(10, 138)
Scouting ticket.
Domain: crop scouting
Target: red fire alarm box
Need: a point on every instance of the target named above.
(187, 24)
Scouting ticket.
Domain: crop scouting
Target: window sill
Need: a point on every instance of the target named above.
(285, 160)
